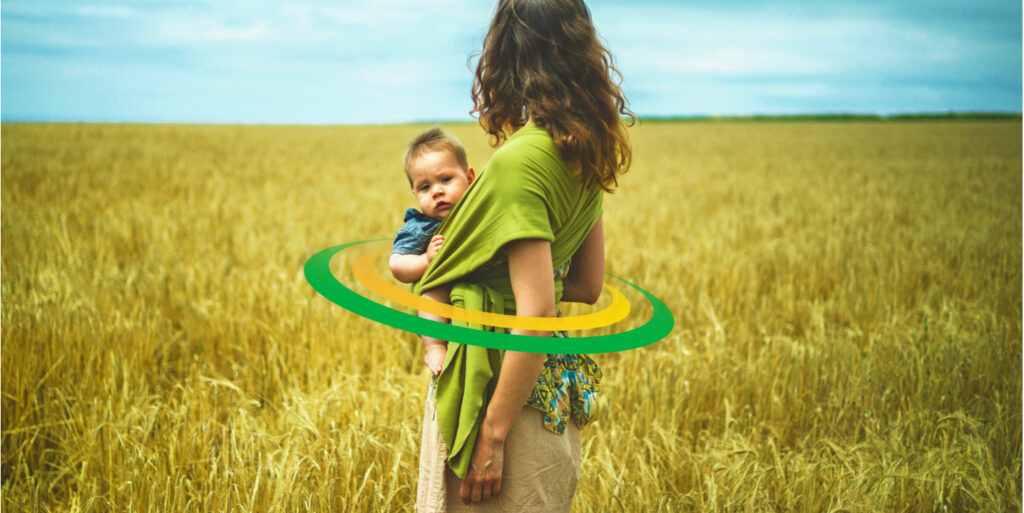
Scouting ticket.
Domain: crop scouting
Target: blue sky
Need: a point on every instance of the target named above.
(324, 61)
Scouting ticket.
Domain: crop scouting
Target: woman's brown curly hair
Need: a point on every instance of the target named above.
(542, 61)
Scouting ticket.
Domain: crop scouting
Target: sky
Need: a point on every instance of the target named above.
(391, 61)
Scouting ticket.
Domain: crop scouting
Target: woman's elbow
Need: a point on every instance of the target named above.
(592, 294)
(587, 293)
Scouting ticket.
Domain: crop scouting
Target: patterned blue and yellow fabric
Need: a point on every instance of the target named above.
(566, 389)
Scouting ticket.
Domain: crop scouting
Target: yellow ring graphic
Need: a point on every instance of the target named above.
(365, 274)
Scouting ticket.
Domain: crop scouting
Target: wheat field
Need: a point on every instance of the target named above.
(847, 298)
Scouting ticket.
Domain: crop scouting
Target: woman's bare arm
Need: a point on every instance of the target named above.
(529, 262)
(586, 272)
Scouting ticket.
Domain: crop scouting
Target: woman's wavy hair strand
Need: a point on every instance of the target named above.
(542, 60)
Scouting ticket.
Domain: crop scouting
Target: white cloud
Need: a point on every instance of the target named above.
(395, 60)
(733, 61)
(762, 42)
(105, 11)
(254, 32)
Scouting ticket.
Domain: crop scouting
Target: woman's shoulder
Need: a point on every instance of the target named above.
(530, 149)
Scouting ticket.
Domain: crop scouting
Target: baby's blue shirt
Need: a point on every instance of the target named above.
(414, 236)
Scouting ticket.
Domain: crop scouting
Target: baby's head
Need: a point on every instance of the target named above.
(438, 173)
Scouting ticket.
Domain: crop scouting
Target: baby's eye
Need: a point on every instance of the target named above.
(424, 187)
(446, 179)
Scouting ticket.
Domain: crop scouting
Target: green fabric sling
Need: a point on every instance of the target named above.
(526, 192)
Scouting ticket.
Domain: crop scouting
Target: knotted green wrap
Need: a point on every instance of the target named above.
(526, 192)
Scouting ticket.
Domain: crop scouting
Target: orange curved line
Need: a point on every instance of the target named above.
(613, 313)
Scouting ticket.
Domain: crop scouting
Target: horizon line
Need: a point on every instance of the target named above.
(809, 116)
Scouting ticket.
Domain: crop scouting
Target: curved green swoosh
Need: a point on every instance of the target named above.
(318, 274)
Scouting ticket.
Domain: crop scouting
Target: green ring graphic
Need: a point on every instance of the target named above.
(319, 276)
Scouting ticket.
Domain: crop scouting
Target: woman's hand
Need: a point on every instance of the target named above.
(484, 478)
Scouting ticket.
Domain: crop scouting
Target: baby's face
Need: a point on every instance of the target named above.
(438, 181)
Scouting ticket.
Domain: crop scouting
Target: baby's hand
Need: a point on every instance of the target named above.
(434, 246)
(434, 357)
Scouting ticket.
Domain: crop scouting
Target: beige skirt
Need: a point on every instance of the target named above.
(540, 472)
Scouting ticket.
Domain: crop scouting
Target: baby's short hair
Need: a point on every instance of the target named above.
(435, 138)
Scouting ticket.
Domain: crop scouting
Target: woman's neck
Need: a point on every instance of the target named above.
(527, 122)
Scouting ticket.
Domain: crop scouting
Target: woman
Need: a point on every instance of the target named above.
(543, 91)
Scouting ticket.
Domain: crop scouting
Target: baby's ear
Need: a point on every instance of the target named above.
(470, 175)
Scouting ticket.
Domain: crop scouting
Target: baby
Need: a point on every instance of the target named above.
(438, 173)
